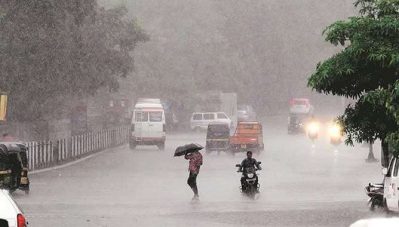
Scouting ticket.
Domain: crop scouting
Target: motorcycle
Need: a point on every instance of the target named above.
(336, 134)
(249, 186)
(376, 194)
(313, 130)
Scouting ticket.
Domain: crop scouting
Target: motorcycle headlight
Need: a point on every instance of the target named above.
(335, 131)
(313, 128)
(250, 175)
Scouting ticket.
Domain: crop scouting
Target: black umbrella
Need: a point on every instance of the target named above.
(188, 148)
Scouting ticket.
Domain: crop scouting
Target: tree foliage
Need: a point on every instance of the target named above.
(365, 69)
(52, 50)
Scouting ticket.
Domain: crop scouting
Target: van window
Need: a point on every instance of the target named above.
(155, 116)
(389, 174)
(141, 116)
(395, 170)
(222, 116)
(248, 126)
(197, 117)
(209, 116)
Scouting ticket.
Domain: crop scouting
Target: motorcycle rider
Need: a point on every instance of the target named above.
(249, 162)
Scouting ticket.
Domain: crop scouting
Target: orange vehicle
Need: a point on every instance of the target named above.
(247, 137)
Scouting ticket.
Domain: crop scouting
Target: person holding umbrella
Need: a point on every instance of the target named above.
(191, 153)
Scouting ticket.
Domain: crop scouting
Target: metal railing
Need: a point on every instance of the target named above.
(44, 154)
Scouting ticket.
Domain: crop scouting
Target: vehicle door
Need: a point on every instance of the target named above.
(196, 120)
(156, 121)
(222, 117)
(391, 185)
(208, 118)
(140, 123)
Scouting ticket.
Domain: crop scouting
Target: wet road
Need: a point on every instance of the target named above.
(301, 185)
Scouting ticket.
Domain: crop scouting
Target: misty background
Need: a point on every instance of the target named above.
(262, 49)
(86, 73)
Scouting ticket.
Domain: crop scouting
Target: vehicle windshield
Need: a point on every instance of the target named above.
(155, 116)
(299, 117)
(218, 130)
(248, 129)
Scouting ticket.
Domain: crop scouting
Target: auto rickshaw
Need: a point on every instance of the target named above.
(5, 170)
(14, 166)
(217, 137)
(247, 137)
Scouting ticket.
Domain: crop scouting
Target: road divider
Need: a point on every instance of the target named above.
(46, 154)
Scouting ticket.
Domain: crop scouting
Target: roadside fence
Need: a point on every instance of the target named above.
(44, 154)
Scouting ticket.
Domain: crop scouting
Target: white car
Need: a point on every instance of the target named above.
(201, 120)
(10, 214)
(391, 185)
(377, 222)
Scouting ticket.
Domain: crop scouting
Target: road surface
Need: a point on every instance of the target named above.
(301, 185)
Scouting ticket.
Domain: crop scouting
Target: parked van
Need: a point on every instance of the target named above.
(201, 120)
(148, 125)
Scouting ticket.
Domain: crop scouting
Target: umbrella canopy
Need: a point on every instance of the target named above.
(188, 148)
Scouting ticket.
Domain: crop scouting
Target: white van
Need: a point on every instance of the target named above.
(201, 120)
(148, 125)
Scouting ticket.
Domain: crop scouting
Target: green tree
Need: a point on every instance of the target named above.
(366, 69)
(52, 50)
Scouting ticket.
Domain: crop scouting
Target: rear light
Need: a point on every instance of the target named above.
(132, 128)
(164, 127)
(21, 221)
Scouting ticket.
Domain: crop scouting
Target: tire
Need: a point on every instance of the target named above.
(27, 191)
(161, 146)
(251, 192)
(385, 206)
(132, 145)
(372, 205)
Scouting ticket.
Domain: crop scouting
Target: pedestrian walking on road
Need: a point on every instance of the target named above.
(191, 152)
(194, 167)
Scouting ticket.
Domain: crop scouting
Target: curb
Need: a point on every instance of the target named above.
(71, 163)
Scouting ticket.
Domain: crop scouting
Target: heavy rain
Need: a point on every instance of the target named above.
(199, 113)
